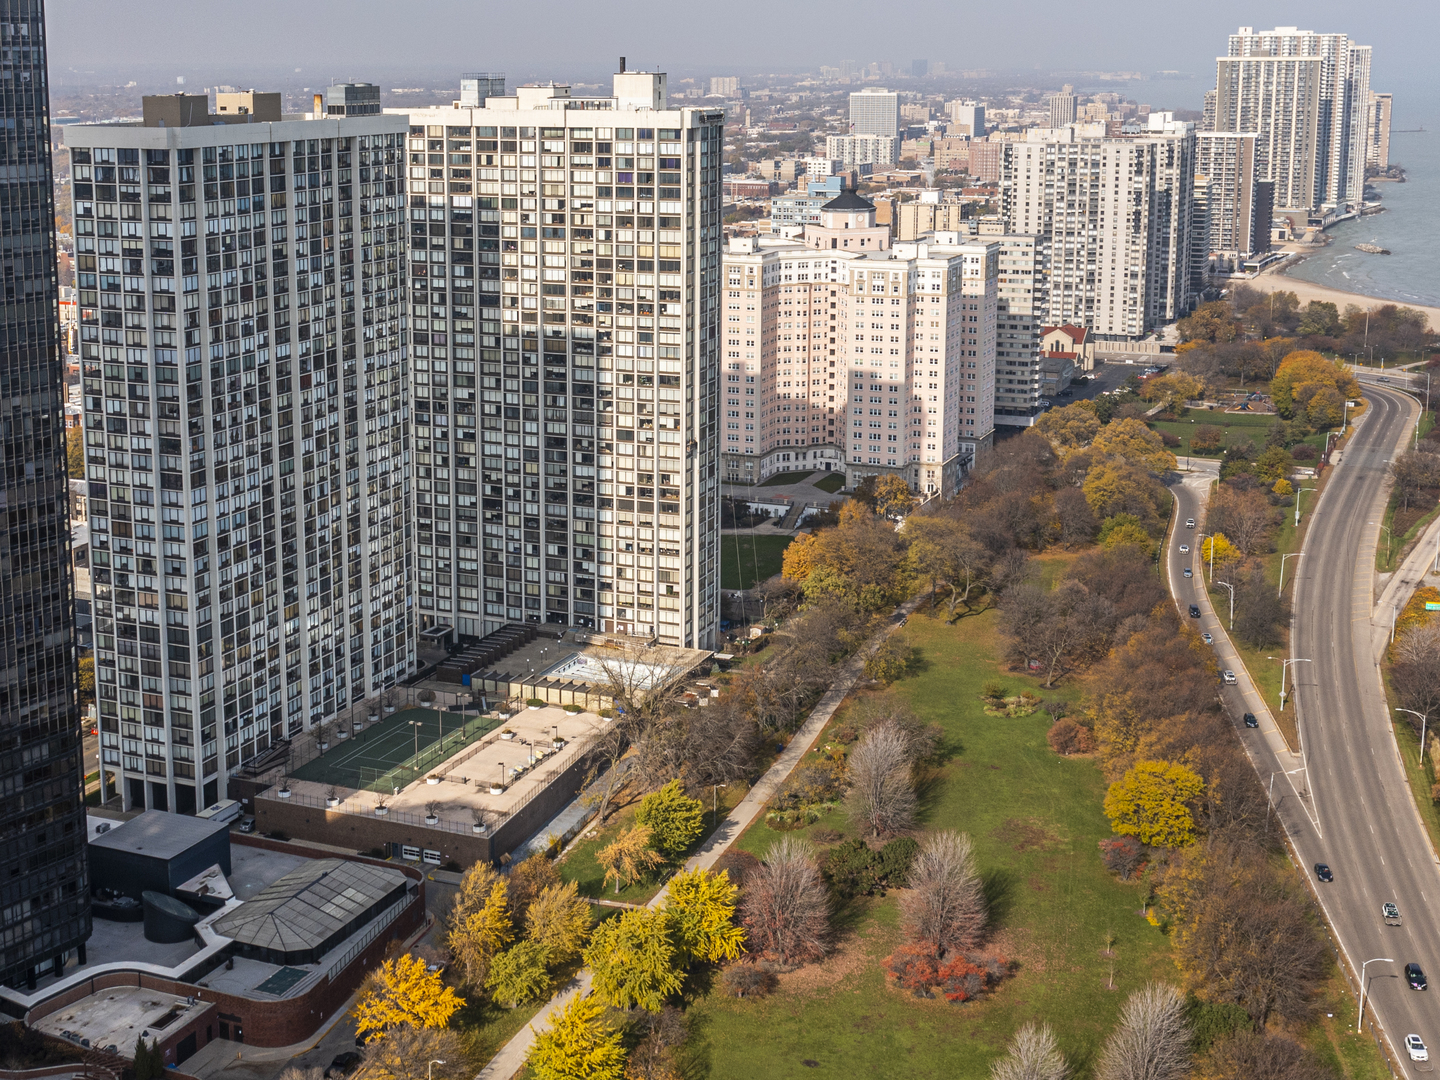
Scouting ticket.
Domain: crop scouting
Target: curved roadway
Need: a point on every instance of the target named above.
(1343, 798)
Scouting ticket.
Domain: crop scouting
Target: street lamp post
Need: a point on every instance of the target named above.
(1211, 538)
(1227, 585)
(1376, 960)
(416, 725)
(1285, 667)
(1297, 504)
(1291, 555)
(430, 1069)
(1424, 722)
(1270, 799)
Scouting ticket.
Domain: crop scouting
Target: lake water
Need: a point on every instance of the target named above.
(1410, 228)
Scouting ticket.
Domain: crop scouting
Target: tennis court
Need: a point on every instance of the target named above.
(397, 751)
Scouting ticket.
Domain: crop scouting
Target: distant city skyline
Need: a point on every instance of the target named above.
(1071, 41)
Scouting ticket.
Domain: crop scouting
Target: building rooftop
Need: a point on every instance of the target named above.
(849, 199)
(308, 906)
(156, 834)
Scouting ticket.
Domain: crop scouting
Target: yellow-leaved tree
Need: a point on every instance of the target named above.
(701, 906)
(479, 933)
(1307, 383)
(559, 919)
(403, 993)
(1070, 428)
(628, 858)
(1133, 441)
(578, 1045)
(1151, 803)
(1224, 551)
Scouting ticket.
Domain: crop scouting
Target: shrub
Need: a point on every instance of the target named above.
(534, 702)
(813, 782)
(1067, 737)
(748, 980)
(993, 689)
(1304, 452)
(853, 869)
(963, 977)
(1123, 855)
(1169, 440)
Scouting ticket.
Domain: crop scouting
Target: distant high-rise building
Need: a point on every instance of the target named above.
(967, 118)
(1020, 309)
(1235, 224)
(919, 68)
(1378, 140)
(476, 87)
(879, 150)
(1063, 108)
(584, 296)
(247, 431)
(875, 111)
(1125, 273)
(44, 899)
(897, 378)
(726, 86)
(1278, 98)
(1341, 108)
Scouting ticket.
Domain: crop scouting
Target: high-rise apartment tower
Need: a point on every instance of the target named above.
(875, 111)
(44, 901)
(566, 251)
(244, 341)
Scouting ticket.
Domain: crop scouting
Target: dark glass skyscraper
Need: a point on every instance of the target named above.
(44, 906)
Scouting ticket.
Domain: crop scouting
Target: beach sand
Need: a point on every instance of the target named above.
(1273, 280)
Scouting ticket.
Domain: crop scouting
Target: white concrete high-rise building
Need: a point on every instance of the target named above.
(247, 433)
(1256, 92)
(1112, 216)
(565, 256)
(842, 351)
(852, 150)
(875, 111)
(967, 118)
(1237, 204)
(1064, 108)
(1378, 137)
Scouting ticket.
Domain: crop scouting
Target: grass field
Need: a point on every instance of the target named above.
(1237, 428)
(747, 560)
(1036, 820)
(831, 482)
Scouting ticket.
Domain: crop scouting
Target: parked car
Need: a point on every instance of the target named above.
(1415, 1047)
(247, 825)
(1194, 611)
(1228, 676)
(1207, 639)
(1415, 977)
(1323, 873)
(1250, 720)
(345, 1064)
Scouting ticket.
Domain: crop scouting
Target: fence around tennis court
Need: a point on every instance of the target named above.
(466, 730)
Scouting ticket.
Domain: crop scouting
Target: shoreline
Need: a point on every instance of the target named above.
(1275, 279)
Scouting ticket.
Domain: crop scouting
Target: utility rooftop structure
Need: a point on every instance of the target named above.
(570, 248)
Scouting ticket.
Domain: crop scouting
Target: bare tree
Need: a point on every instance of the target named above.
(1414, 471)
(1415, 674)
(944, 907)
(1245, 517)
(1252, 1055)
(303, 1072)
(404, 1053)
(1152, 1041)
(1033, 1055)
(882, 793)
(785, 906)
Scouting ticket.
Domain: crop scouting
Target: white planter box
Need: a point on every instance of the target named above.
(332, 801)
(496, 789)
(284, 793)
(507, 735)
(432, 780)
(381, 811)
(343, 734)
(477, 828)
(431, 819)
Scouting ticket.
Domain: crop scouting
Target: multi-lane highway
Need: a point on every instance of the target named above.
(1342, 796)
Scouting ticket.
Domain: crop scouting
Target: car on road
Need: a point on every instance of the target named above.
(1184, 549)
(1194, 611)
(1207, 639)
(1228, 676)
(345, 1064)
(1415, 1047)
(1189, 523)
(1067, 393)
(1390, 913)
(1415, 977)
(1250, 720)
(1323, 872)
(1382, 378)
(1188, 572)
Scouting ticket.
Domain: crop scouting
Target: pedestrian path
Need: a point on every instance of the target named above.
(511, 1058)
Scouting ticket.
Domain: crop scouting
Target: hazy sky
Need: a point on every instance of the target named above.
(209, 42)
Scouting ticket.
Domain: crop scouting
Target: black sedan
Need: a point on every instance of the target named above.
(1250, 720)
(1323, 872)
(1194, 611)
(1415, 977)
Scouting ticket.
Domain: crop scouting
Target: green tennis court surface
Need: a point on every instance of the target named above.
(400, 749)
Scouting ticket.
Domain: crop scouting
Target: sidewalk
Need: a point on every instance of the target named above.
(511, 1058)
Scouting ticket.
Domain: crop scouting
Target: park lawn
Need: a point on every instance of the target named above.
(747, 560)
(781, 478)
(1237, 428)
(484, 1027)
(831, 482)
(1036, 820)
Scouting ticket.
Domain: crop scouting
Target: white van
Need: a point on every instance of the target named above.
(226, 810)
